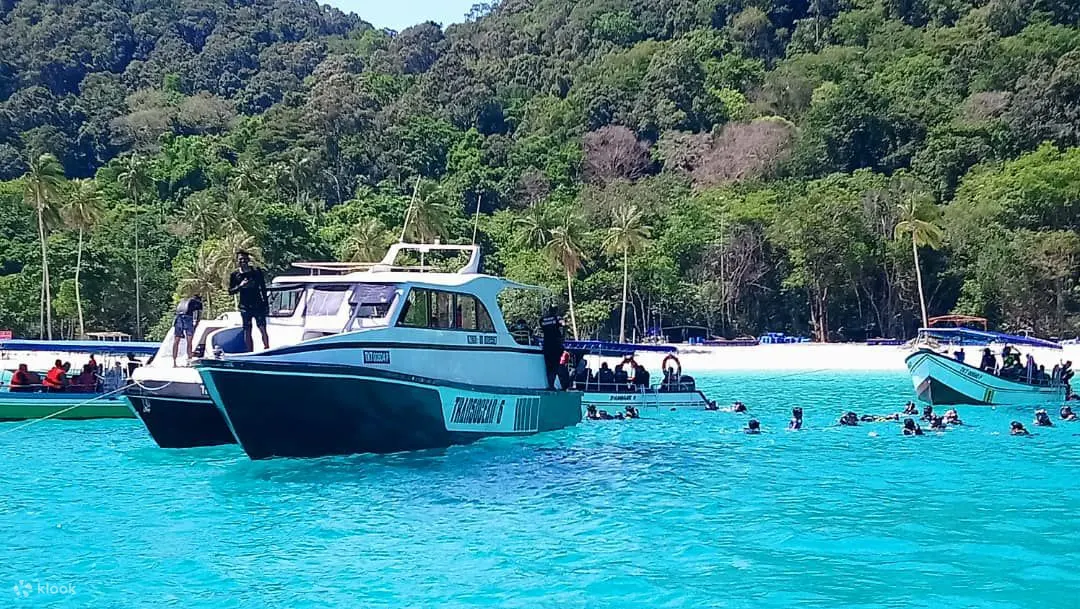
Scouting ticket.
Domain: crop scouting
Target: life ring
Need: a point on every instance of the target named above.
(678, 369)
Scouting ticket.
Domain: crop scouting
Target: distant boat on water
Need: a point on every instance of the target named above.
(939, 376)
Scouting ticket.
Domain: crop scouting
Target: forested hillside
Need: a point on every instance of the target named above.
(752, 165)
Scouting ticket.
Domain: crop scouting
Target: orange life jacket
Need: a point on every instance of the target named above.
(55, 378)
(21, 379)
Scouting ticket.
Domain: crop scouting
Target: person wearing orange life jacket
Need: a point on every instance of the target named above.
(56, 380)
(22, 380)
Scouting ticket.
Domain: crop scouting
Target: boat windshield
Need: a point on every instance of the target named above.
(284, 299)
(371, 304)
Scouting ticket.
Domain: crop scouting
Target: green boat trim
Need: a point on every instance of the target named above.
(28, 406)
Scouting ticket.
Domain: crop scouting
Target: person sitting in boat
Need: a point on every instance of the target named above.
(1016, 428)
(952, 417)
(521, 332)
(1042, 419)
(22, 381)
(56, 379)
(911, 408)
(632, 412)
(581, 375)
(620, 378)
(959, 355)
(738, 407)
(849, 419)
(753, 427)
(1009, 356)
(641, 378)
(989, 361)
(927, 414)
(795, 423)
(114, 377)
(911, 428)
(85, 382)
(605, 378)
(937, 423)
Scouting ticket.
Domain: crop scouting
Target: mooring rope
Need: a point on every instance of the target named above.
(60, 412)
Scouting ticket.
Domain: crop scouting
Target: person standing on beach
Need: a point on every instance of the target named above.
(188, 313)
(249, 283)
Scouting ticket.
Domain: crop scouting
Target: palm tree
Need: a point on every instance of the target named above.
(565, 250)
(627, 235)
(43, 190)
(427, 216)
(83, 210)
(246, 177)
(223, 256)
(366, 242)
(135, 181)
(203, 276)
(202, 213)
(535, 228)
(918, 217)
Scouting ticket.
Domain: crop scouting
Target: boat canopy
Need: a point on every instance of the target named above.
(970, 337)
(109, 347)
(608, 349)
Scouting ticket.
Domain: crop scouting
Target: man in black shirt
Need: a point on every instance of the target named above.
(552, 327)
(188, 313)
(248, 281)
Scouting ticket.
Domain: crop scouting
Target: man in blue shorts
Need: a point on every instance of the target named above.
(188, 313)
(250, 284)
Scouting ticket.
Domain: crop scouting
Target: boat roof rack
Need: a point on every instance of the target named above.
(956, 319)
(387, 265)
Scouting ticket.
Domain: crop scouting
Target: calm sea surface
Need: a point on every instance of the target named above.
(678, 509)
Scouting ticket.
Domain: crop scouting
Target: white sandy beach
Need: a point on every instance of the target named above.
(814, 356)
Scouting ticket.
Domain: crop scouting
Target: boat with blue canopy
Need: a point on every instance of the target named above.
(627, 383)
(94, 394)
(942, 372)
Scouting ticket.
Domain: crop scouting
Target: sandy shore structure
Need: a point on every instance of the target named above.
(853, 357)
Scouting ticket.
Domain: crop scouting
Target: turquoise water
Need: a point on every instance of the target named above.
(675, 510)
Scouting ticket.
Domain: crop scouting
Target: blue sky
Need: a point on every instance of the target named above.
(400, 14)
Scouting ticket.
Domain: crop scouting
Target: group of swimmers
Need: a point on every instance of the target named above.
(910, 426)
(592, 414)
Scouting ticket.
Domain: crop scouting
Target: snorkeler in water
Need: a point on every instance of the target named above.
(878, 418)
(849, 419)
(927, 414)
(952, 417)
(1067, 414)
(632, 412)
(911, 408)
(711, 405)
(796, 419)
(1042, 419)
(738, 407)
(591, 414)
(937, 423)
(911, 428)
(753, 427)
(1016, 428)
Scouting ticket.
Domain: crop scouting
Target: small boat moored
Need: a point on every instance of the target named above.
(424, 360)
(947, 379)
(97, 399)
(616, 387)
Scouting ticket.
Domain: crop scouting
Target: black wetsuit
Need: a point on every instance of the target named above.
(551, 326)
(254, 304)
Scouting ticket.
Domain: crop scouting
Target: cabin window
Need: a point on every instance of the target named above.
(325, 300)
(442, 310)
(284, 300)
(372, 300)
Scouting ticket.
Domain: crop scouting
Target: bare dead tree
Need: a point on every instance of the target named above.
(746, 151)
(614, 153)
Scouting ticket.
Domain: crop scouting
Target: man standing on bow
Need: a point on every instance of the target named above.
(188, 313)
(250, 284)
(552, 327)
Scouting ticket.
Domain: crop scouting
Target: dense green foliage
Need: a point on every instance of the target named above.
(744, 164)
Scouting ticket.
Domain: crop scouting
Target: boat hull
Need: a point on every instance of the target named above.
(179, 415)
(941, 380)
(309, 410)
(617, 402)
(28, 406)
